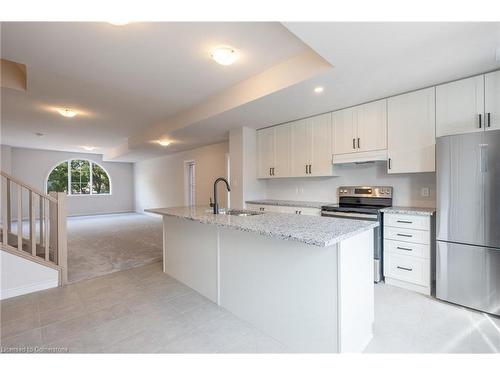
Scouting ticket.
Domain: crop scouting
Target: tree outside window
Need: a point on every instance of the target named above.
(79, 177)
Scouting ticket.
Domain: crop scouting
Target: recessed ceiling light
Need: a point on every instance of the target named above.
(164, 143)
(89, 148)
(66, 112)
(224, 55)
(319, 90)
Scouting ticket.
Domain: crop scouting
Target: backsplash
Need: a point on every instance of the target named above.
(407, 187)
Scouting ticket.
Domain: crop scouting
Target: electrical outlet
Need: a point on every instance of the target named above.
(424, 192)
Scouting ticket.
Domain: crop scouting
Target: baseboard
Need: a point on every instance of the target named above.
(26, 289)
(410, 286)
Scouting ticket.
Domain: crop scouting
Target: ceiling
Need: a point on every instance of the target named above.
(123, 79)
(150, 80)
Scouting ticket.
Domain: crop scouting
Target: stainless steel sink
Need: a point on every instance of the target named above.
(240, 213)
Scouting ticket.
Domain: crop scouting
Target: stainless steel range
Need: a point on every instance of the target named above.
(363, 203)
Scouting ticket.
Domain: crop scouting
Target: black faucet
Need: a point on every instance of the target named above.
(215, 205)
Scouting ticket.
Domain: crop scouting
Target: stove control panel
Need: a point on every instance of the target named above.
(365, 191)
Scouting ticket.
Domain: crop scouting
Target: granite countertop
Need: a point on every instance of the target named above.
(424, 211)
(280, 202)
(312, 230)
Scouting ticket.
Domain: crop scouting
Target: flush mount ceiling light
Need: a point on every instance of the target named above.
(119, 22)
(319, 90)
(89, 148)
(224, 55)
(164, 143)
(66, 112)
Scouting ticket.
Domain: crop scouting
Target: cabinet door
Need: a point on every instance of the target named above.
(372, 126)
(411, 132)
(320, 131)
(492, 100)
(282, 143)
(300, 148)
(265, 149)
(343, 131)
(459, 106)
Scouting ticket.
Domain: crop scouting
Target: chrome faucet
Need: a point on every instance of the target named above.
(215, 204)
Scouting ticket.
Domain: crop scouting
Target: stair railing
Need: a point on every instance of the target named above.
(38, 229)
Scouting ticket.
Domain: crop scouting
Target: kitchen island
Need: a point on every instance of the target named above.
(306, 281)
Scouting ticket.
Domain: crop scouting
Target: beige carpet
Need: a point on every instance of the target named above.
(102, 244)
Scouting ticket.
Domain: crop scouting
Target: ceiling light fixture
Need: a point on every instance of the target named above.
(119, 22)
(224, 55)
(319, 90)
(66, 112)
(164, 143)
(89, 148)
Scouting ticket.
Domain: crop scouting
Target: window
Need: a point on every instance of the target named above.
(79, 177)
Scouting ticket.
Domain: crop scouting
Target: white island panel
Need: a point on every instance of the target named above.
(190, 254)
(287, 289)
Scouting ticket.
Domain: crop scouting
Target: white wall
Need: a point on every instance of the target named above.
(5, 161)
(33, 166)
(407, 186)
(160, 182)
(21, 276)
(244, 182)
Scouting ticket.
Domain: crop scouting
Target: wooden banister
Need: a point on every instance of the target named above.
(26, 186)
(50, 246)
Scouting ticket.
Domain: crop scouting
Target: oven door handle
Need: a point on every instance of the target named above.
(350, 215)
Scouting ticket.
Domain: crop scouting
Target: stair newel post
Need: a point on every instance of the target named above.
(61, 241)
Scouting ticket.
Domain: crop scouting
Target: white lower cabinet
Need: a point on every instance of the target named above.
(408, 251)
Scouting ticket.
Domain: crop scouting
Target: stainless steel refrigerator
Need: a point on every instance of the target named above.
(468, 220)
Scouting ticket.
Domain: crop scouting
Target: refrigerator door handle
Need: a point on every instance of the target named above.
(483, 157)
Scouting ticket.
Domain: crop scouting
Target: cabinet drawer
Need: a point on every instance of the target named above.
(407, 221)
(409, 269)
(407, 248)
(263, 207)
(407, 235)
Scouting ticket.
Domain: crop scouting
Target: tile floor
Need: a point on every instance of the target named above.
(142, 310)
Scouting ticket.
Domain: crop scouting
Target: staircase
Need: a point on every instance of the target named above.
(37, 229)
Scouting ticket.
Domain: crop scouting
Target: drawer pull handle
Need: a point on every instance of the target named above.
(405, 269)
(404, 248)
(405, 221)
(404, 235)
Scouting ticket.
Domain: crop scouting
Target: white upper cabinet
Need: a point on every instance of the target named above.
(372, 126)
(282, 151)
(360, 133)
(301, 147)
(460, 106)
(320, 154)
(344, 131)
(492, 100)
(411, 132)
(265, 150)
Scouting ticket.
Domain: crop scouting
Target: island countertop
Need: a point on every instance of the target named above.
(312, 230)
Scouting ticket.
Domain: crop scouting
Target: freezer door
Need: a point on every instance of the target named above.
(491, 153)
(469, 276)
(460, 188)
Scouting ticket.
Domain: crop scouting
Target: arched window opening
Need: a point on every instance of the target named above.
(79, 177)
